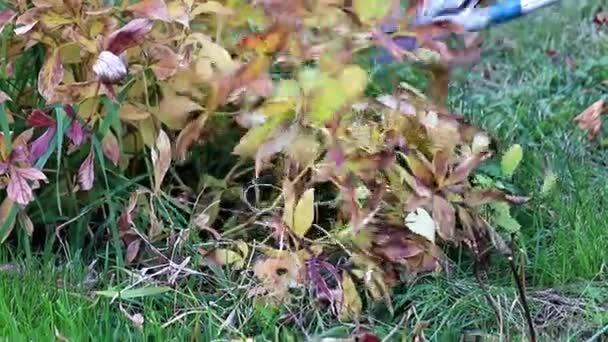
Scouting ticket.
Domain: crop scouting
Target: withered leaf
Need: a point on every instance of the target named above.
(304, 213)
(161, 159)
(150, 9)
(86, 174)
(130, 35)
(50, 75)
(351, 304)
(445, 216)
(110, 147)
(589, 120)
(132, 250)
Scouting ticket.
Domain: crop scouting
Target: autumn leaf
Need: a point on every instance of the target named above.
(19, 190)
(150, 9)
(175, 110)
(110, 147)
(351, 304)
(130, 35)
(369, 11)
(304, 213)
(132, 112)
(589, 120)
(161, 159)
(6, 17)
(165, 61)
(50, 75)
(445, 216)
(5, 209)
(86, 174)
(110, 68)
(421, 223)
(132, 250)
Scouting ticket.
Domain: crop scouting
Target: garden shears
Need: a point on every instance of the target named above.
(472, 18)
(465, 13)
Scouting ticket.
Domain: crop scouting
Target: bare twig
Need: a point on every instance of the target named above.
(521, 290)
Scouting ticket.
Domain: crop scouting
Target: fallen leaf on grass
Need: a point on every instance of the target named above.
(589, 120)
(601, 18)
(137, 319)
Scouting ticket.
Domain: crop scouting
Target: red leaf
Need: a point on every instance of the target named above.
(6, 17)
(86, 174)
(18, 190)
(110, 148)
(128, 36)
(39, 146)
(151, 9)
(38, 118)
(445, 216)
(50, 76)
(77, 133)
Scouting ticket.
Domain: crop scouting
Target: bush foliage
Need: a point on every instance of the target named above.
(246, 134)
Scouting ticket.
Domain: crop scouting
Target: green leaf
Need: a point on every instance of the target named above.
(328, 99)
(134, 293)
(511, 159)
(548, 183)
(371, 10)
(304, 213)
(504, 219)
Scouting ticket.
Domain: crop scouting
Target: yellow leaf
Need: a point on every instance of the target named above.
(328, 99)
(290, 203)
(214, 52)
(132, 112)
(54, 20)
(70, 53)
(174, 110)
(5, 209)
(351, 302)
(353, 80)
(161, 159)
(371, 10)
(211, 7)
(228, 257)
(304, 213)
(147, 129)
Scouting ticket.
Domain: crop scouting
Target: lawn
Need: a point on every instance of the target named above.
(536, 75)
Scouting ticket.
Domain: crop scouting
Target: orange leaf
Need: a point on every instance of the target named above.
(589, 120)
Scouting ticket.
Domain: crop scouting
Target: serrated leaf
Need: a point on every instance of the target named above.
(511, 159)
(304, 213)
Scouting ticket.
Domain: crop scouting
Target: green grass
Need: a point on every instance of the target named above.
(527, 99)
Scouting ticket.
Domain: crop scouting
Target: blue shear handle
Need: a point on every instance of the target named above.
(512, 9)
